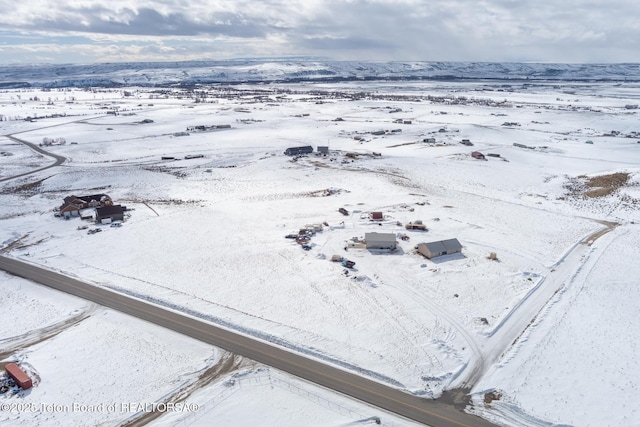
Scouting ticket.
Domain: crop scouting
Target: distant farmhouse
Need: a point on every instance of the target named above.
(380, 241)
(74, 204)
(206, 128)
(296, 151)
(440, 248)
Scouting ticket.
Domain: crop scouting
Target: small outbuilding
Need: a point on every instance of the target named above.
(478, 155)
(376, 216)
(440, 248)
(18, 375)
(380, 241)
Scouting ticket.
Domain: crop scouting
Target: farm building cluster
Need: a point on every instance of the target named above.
(97, 207)
(377, 242)
(306, 149)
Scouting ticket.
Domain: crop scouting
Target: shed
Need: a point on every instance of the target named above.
(376, 216)
(477, 155)
(323, 149)
(429, 140)
(380, 240)
(440, 248)
(18, 375)
(107, 214)
(295, 151)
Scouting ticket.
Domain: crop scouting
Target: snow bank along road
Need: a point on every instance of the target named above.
(432, 413)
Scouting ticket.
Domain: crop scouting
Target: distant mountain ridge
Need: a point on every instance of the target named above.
(191, 73)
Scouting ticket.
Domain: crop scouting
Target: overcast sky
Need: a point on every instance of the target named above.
(88, 31)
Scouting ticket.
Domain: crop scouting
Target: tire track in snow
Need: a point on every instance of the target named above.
(9, 346)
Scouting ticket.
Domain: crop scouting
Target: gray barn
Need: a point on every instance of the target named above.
(442, 247)
(295, 151)
(380, 240)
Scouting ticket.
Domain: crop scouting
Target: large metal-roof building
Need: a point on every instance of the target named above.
(440, 248)
(380, 240)
(295, 151)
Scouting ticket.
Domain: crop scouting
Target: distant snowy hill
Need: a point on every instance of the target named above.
(254, 71)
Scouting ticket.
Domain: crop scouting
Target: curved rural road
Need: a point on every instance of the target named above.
(429, 412)
(58, 159)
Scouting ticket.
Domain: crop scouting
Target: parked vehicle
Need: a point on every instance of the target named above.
(347, 263)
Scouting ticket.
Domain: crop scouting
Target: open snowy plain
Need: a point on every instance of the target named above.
(543, 335)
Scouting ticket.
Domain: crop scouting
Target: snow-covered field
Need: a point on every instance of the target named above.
(93, 366)
(205, 235)
(583, 348)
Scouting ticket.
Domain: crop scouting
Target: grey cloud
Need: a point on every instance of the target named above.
(454, 30)
(148, 22)
(344, 43)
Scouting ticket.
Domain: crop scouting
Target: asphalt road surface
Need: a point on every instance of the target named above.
(58, 159)
(429, 412)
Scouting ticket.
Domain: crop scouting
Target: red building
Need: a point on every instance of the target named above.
(18, 375)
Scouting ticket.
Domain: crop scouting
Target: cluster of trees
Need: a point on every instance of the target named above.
(52, 141)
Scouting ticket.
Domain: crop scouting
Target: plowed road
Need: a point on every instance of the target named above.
(58, 159)
(429, 412)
